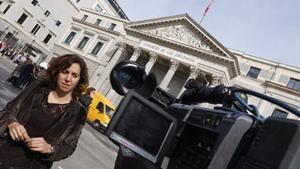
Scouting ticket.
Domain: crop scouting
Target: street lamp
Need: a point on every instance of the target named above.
(4, 32)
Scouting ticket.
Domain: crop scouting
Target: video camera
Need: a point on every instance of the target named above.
(156, 130)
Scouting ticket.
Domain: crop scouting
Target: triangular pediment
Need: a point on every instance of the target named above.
(182, 30)
(181, 34)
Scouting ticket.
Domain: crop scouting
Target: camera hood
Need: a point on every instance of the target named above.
(127, 75)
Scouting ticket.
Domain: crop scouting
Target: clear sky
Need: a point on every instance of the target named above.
(268, 29)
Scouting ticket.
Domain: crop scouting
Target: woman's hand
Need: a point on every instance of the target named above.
(17, 132)
(39, 144)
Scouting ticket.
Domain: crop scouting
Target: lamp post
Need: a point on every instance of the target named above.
(4, 32)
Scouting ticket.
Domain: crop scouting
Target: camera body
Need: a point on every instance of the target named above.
(154, 131)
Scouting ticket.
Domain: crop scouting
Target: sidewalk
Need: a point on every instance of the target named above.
(7, 64)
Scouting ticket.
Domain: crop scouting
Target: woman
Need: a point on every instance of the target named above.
(43, 123)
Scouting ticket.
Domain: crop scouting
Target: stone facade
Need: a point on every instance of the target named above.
(176, 49)
(34, 26)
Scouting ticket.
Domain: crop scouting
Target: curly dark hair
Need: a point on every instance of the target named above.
(63, 62)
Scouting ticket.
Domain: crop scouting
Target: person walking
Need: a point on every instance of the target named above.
(26, 74)
(16, 73)
(87, 97)
(44, 122)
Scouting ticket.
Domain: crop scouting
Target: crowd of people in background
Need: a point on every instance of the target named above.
(25, 71)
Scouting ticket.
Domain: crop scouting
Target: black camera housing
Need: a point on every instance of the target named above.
(193, 137)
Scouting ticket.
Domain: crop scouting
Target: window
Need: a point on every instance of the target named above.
(279, 113)
(100, 107)
(34, 2)
(83, 42)
(6, 9)
(253, 72)
(8, 35)
(70, 37)
(98, 22)
(47, 13)
(97, 48)
(47, 38)
(84, 17)
(294, 84)
(98, 8)
(35, 29)
(109, 111)
(22, 18)
(112, 26)
(57, 23)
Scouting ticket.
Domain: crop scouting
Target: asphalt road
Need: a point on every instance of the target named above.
(94, 150)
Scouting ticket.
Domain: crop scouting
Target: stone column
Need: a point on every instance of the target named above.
(151, 62)
(168, 77)
(215, 80)
(204, 74)
(194, 72)
(111, 94)
(136, 54)
(103, 83)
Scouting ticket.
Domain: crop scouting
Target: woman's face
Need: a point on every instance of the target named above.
(68, 78)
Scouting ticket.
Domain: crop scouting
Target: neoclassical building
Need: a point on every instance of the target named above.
(34, 26)
(175, 48)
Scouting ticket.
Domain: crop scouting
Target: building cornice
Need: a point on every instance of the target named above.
(265, 61)
(156, 20)
(282, 88)
(259, 81)
(118, 9)
(96, 27)
(186, 19)
(67, 48)
(205, 53)
(104, 15)
(75, 7)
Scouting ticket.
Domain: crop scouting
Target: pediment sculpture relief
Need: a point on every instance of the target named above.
(180, 34)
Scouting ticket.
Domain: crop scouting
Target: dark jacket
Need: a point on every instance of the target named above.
(85, 100)
(63, 135)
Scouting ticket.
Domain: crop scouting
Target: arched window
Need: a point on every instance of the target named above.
(70, 37)
(97, 48)
(83, 42)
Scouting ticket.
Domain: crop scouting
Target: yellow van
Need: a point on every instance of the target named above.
(100, 111)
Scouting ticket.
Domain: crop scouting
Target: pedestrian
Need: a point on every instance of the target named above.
(18, 57)
(16, 73)
(1, 45)
(87, 97)
(32, 76)
(14, 54)
(42, 70)
(25, 75)
(5, 49)
(43, 123)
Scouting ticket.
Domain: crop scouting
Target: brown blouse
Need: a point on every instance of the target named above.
(43, 116)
